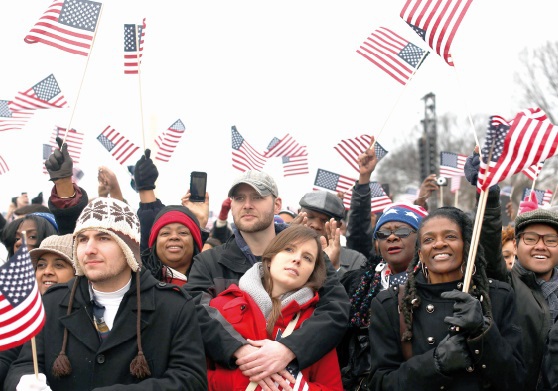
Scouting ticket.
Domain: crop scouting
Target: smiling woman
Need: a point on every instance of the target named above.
(443, 338)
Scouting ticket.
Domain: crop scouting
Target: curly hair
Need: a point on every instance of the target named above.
(479, 286)
(508, 233)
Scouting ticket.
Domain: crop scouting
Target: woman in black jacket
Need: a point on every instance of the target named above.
(434, 336)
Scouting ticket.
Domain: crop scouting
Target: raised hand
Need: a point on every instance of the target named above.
(145, 172)
(59, 164)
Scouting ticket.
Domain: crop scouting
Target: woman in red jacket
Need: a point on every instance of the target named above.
(273, 297)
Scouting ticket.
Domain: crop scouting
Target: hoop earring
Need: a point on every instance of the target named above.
(424, 270)
(474, 269)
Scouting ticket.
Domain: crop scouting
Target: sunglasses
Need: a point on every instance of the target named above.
(402, 232)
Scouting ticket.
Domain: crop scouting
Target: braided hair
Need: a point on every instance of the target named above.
(479, 286)
(368, 286)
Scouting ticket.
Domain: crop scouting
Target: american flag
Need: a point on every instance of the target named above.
(380, 199)
(392, 53)
(350, 149)
(532, 172)
(44, 95)
(67, 25)
(543, 196)
(327, 180)
(295, 165)
(21, 307)
(12, 120)
(168, 140)
(455, 183)
(287, 146)
(506, 191)
(244, 157)
(118, 146)
(74, 139)
(525, 142)
(452, 164)
(436, 22)
(131, 41)
(3, 166)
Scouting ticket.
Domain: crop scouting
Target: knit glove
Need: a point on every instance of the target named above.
(452, 355)
(225, 208)
(31, 383)
(467, 312)
(59, 164)
(145, 172)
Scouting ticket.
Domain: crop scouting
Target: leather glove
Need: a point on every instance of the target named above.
(31, 383)
(225, 208)
(452, 354)
(59, 164)
(467, 312)
(471, 168)
(145, 172)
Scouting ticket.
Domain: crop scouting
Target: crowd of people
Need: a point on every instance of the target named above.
(323, 298)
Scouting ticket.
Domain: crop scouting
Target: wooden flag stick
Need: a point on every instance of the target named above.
(400, 95)
(83, 75)
(477, 227)
(553, 194)
(441, 196)
(139, 83)
(456, 198)
(33, 344)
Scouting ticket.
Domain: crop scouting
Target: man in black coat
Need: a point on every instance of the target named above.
(255, 201)
(114, 326)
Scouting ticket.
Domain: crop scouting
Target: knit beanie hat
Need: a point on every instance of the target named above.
(537, 216)
(60, 245)
(403, 213)
(48, 217)
(176, 214)
(115, 218)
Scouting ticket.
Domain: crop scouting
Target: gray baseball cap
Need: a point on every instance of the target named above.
(262, 182)
(323, 202)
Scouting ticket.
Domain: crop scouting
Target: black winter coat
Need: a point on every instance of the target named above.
(496, 354)
(171, 341)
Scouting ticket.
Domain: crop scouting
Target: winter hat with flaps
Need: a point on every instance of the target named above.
(115, 218)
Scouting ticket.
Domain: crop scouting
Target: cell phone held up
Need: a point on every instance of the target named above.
(198, 186)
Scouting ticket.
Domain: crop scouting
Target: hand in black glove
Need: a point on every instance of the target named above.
(467, 312)
(452, 354)
(59, 164)
(472, 166)
(145, 172)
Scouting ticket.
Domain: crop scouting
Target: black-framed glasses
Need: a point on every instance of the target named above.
(401, 232)
(532, 238)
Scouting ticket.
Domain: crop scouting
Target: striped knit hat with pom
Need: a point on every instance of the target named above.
(115, 218)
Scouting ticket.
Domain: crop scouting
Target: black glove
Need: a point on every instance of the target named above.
(471, 168)
(467, 312)
(59, 164)
(452, 354)
(145, 172)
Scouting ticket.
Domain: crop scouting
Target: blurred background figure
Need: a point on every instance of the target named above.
(508, 245)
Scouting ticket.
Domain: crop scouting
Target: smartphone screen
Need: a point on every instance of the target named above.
(198, 184)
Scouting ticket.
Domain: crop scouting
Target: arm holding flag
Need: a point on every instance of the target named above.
(427, 187)
(67, 200)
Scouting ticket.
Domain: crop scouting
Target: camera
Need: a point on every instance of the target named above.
(442, 181)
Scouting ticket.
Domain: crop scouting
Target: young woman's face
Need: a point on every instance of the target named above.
(291, 267)
(508, 252)
(175, 246)
(52, 269)
(441, 249)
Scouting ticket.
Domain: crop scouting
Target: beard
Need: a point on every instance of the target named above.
(260, 225)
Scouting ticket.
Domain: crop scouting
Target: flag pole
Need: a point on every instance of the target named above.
(441, 196)
(139, 82)
(554, 194)
(33, 344)
(426, 52)
(456, 198)
(477, 227)
(83, 75)
(465, 102)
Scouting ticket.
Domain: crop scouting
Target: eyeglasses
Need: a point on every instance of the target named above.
(532, 238)
(402, 232)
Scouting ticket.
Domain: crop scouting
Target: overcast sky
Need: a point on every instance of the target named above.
(269, 69)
